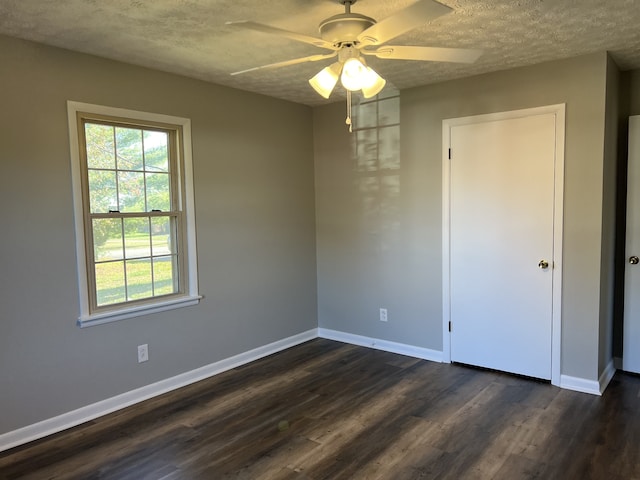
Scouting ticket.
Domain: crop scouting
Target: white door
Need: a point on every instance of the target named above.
(631, 345)
(501, 236)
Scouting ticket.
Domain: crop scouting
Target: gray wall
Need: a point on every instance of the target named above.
(632, 80)
(609, 220)
(253, 163)
(385, 250)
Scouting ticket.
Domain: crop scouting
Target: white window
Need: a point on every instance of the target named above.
(133, 199)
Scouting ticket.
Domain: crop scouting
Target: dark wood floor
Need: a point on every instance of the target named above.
(326, 410)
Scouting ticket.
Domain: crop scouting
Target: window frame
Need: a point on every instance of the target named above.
(182, 191)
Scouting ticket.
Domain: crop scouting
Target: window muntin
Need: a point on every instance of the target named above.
(133, 199)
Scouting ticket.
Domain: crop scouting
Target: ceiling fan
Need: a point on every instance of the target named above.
(352, 36)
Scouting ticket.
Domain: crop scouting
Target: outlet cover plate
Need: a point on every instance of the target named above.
(143, 353)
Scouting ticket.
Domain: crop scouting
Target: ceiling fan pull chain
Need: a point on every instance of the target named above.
(348, 121)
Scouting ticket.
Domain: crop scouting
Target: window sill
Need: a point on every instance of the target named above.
(129, 312)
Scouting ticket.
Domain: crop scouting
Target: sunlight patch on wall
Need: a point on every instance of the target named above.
(376, 165)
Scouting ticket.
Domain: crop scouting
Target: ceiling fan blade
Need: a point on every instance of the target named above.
(407, 19)
(312, 58)
(430, 54)
(260, 27)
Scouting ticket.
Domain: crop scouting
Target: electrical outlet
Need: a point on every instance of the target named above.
(143, 353)
(383, 314)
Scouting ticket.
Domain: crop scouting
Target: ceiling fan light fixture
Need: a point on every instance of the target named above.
(325, 80)
(352, 36)
(373, 84)
(354, 73)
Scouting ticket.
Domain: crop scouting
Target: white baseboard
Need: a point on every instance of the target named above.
(84, 414)
(578, 384)
(387, 346)
(590, 386)
(607, 375)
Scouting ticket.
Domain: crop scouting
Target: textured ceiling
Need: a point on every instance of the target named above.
(189, 37)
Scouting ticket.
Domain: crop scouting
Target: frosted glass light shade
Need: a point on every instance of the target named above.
(325, 80)
(373, 83)
(353, 74)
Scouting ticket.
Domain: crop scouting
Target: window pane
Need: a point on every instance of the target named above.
(129, 148)
(110, 283)
(163, 281)
(139, 283)
(103, 195)
(156, 156)
(131, 191)
(107, 239)
(158, 192)
(161, 233)
(101, 151)
(137, 241)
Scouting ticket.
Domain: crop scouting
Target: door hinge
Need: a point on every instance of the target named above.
(449, 154)
(449, 325)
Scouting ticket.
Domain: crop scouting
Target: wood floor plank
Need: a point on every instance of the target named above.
(327, 410)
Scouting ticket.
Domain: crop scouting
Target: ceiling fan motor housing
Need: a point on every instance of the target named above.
(344, 28)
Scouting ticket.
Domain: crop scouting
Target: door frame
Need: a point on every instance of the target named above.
(556, 302)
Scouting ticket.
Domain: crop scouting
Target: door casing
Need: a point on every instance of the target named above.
(556, 321)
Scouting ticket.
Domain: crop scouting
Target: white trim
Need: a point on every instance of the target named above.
(606, 376)
(558, 235)
(191, 297)
(84, 414)
(129, 312)
(76, 182)
(556, 336)
(189, 209)
(446, 243)
(387, 346)
(578, 384)
(90, 412)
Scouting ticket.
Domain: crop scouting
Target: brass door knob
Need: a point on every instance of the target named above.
(543, 264)
(633, 260)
